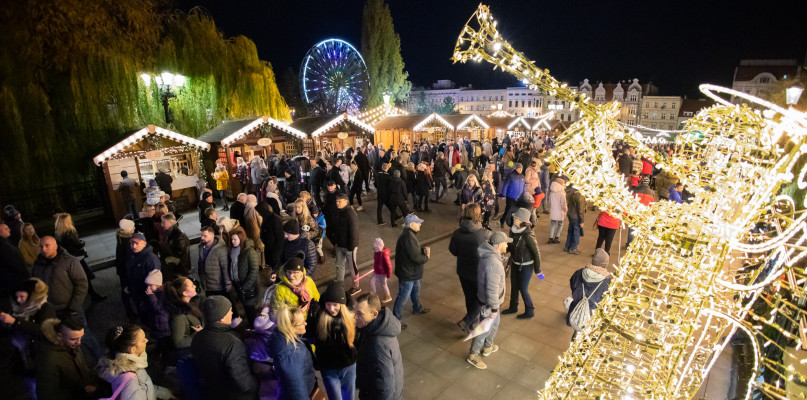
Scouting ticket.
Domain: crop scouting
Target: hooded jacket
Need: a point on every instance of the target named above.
(490, 277)
(294, 366)
(221, 358)
(523, 250)
(464, 244)
(284, 295)
(588, 279)
(128, 370)
(557, 202)
(67, 283)
(213, 269)
(532, 179)
(409, 256)
(379, 367)
(514, 185)
(154, 315)
(61, 373)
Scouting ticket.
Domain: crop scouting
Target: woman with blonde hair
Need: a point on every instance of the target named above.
(334, 335)
(29, 244)
(67, 238)
(222, 178)
(292, 359)
(303, 216)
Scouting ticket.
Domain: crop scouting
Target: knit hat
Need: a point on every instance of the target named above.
(155, 277)
(205, 195)
(215, 308)
(517, 165)
(378, 244)
(601, 258)
(294, 264)
(522, 214)
(292, 227)
(139, 236)
(499, 237)
(334, 294)
(126, 225)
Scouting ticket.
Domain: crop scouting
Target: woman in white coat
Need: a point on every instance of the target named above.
(125, 369)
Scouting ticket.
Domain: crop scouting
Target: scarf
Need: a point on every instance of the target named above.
(598, 273)
(234, 253)
(300, 290)
(30, 307)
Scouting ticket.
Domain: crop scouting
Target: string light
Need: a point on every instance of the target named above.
(376, 114)
(257, 124)
(433, 116)
(687, 282)
(115, 151)
(339, 119)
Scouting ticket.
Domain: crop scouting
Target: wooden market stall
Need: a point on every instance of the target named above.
(520, 127)
(434, 128)
(470, 126)
(336, 132)
(498, 126)
(144, 153)
(394, 130)
(250, 137)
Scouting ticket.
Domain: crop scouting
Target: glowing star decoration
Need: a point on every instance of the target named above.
(376, 114)
(731, 259)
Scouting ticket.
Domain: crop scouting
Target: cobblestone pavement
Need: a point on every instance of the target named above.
(432, 347)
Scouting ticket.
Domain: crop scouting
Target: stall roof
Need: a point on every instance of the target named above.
(229, 132)
(499, 122)
(318, 125)
(433, 117)
(400, 122)
(468, 119)
(141, 134)
(377, 114)
(542, 121)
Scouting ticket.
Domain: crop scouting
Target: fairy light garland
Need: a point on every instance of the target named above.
(677, 294)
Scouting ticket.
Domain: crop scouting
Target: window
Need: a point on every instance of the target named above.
(653, 125)
(655, 104)
(510, 104)
(634, 97)
(663, 115)
(644, 115)
(764, 79)
(647, 105)
(673, 106)
(522, 103)
(529, 103)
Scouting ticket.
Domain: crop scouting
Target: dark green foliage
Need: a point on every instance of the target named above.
(381, 49)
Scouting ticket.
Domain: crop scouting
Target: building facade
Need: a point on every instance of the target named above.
(628, 94)
(660, 112)
(759, 77)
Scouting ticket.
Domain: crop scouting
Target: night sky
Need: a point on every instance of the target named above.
(675, 44)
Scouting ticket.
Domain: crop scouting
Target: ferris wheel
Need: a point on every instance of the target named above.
(333, 77)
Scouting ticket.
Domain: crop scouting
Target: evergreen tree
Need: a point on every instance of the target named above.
(447, 107)
(423, 106)
(381, 49)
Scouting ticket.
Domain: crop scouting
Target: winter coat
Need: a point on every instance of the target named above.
(61, 373)
(674, 195)
(284, 295)
(29, 251)
(253, 226)
(423, 183)
(182, 319)
(647, 166)
(625, 164)
(203, 206)
(470, 194)
(294, 366)
(164, 181)
(488, 202)
(453, 157)
(379, 367)
(333, 352)
(237, 211)
(221, 358)
(154, 315)
(523, 250)
(409, 256)
(222, 179)
(72, 244)
(138, 266)
(334, 175)
(588, 279)
(608, 221)
(363, 163)
(346, 228)
(12, 267)
(557, 202)
(122, 250)
(381, 263)
(248, 265)
(67, 283)
(175, 254)
(410, 179)
(513, 186)
(382, 183)
(532, 180)
(491, 284)
(397, 189)
(272, 238)
(576, 205)
(128, 370)
(464, 244)
(440, 168)
(213, 269)
(301, 245)
(663, 184)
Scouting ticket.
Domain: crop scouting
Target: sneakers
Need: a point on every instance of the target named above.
(476, 361)
(574, 251)
(490, 350)
(354, 291)
(423, 310)
(360, 208)
(511, 310)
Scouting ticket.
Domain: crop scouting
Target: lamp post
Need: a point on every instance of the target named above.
(169, 85)
(793, 93)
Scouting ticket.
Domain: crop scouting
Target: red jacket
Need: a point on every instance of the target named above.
(456, 158)
(608, 221)
(381, 263)
(647, 166)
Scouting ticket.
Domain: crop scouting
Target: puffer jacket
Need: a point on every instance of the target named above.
(490, 277)
(248, 265)
(301, 245)
(409, 256)
(128, 370)
(523, 250)
(294, 366)
(67, 283)
(155, 315)
(532, 179)
(463, 245)
(346, 228)
(576, 204)
(223, 364)
(222, 179)
(213, 271)
(182, 319)
(557, 202)
(61, 373)
(514, 186)
(379, 368)
(138, 266)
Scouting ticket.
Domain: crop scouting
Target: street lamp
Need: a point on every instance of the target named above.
(793, 93)
(169, 84)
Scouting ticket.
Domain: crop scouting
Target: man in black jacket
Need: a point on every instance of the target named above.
(221, 356)
(410, 257)
(464, 244)
(379, 367)
(440, 170)
(164, 181)
(175, 255)
(364, 166)
(297, 245)
(396, 191)
(333, 174)
(346, 233)
(317, 180)
(271, 235)
(382, 181)
(238, 209)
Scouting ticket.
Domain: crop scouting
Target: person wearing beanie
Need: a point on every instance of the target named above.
(410, 258)
(334, 335)
(204, 204)
(525, 260)
(591, 281)
(295, 244)
(139, 264)
(295, 288)
(382, 270)
(221, 356)
(154, 314)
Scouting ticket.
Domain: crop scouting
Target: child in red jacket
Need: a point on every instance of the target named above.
(382, 270)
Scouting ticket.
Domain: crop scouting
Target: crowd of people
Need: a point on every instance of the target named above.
(203, 327)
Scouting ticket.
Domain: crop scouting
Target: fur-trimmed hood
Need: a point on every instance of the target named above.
(108, 369)
(49, 331)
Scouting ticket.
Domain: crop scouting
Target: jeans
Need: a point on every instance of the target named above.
(573, 235)
(520, 283)
(340, 384)
(223, 194)
(486, 339)
(378, 284)
(605, 238)
(410, 289)
(555, 227)
(439, 181)
(343, 254)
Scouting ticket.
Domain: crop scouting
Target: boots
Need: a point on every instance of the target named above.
(528, 314)
(511, 310)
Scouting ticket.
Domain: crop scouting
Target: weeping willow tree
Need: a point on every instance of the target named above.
(70, 86)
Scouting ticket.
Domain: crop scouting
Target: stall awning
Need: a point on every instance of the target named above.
(229, 132)
(433, 117)
(321, 124)
(140, 135)
(470, 119)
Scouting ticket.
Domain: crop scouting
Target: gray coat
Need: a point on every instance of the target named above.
(379, 368)
(213, 270)
(67, 283)
(490, 275)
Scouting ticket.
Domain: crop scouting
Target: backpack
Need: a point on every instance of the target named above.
(582, 312)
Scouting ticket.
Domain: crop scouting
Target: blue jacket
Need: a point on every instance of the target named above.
(594, 290)
(295, 368)
(514, 186)
(138, 266)
(675, 195)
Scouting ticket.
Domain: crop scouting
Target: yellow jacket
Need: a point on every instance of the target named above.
(284, 295)
(222, 179)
